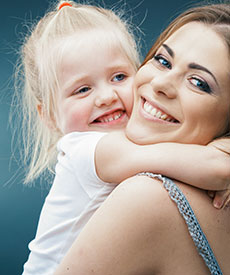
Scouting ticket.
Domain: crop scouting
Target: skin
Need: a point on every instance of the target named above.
(101, 99)
(98, 100)
(174, 88)
(138, 230)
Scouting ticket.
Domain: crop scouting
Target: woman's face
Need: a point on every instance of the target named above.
(183, 93)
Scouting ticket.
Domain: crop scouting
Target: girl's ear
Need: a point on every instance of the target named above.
(49, 122)
(39, 109)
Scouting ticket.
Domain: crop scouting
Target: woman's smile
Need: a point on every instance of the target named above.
(156, 114)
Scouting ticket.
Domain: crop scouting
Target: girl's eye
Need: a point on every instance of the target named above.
(200, 84)
(82, 90)
(118, 77)
(163, 61)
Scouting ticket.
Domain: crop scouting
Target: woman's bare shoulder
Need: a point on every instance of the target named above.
(139, 230)
(159, 207)
(146, 192)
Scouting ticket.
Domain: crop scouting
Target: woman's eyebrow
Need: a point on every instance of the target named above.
(199, 67)
(191, 65)
(169, 50)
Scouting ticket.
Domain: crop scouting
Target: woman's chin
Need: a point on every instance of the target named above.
(135, 137)
(138, 134)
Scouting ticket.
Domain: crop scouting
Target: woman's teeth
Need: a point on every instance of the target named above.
(157, 113)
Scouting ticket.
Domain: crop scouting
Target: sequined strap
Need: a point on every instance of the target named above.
(194, 228)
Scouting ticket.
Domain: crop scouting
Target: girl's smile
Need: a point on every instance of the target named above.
(112, 116)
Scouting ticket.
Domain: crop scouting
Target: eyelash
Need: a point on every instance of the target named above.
(160, 58)
(117, 75)
(202, 86)
(81, 90)
(86, 89)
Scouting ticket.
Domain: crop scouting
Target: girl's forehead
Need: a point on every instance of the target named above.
(93, 36)
(83, 42)
(84, 56)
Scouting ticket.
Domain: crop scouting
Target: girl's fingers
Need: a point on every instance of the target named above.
(221, 199)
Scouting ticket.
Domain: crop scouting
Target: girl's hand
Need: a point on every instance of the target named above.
(221, 199)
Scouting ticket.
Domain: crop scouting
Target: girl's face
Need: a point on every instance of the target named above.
(183, 93)
(95, 79)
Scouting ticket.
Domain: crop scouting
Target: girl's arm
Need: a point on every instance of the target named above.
(206, 167)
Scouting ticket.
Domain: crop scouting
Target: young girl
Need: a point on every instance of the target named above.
(79, 64)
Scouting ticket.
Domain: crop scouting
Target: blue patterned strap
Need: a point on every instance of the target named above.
(194, 228)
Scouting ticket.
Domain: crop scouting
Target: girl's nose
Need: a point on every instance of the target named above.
(106, 96)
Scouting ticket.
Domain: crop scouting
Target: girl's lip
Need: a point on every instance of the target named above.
(157, 112)
(111, 117)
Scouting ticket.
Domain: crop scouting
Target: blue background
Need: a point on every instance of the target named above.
(20, 205)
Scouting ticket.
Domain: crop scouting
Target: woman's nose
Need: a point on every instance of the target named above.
(106, 96)
(164, 85)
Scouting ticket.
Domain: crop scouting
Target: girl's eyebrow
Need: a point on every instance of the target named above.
(71, 83)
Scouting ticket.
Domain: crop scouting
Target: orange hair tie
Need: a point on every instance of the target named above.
(64, 4)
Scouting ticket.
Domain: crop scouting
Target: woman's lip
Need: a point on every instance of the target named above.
(153, 111)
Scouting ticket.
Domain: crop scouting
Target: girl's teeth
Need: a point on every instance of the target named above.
(109, 119)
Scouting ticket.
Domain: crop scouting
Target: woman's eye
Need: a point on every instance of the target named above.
(163, 61)
(119, 77)
(200, 84)
(82, 90)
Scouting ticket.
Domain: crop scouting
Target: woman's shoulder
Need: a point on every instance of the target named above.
(147, 196)
(154, 226)
(151, 191)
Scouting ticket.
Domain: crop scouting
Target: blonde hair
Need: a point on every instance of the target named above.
(37, 80)
(217, 16)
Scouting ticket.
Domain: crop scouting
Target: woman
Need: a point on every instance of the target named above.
(139, 230)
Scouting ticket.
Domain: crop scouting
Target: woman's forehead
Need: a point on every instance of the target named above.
(197, 42)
